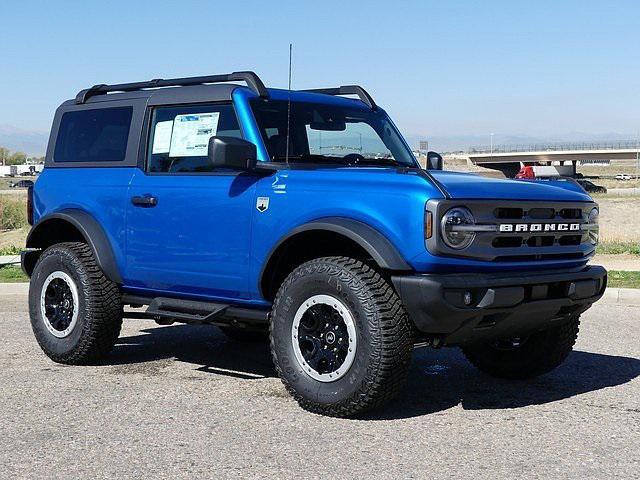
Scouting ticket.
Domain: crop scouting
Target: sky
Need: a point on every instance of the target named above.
(438, 67)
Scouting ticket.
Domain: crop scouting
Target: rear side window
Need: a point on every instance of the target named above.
(180, 136)
(98, 135)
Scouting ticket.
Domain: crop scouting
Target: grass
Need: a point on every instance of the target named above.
(12, 274)
(623, 279)
(618, 247)
(10, 250)
(13, 212)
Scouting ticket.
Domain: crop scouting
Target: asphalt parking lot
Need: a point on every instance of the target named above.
(185, 402)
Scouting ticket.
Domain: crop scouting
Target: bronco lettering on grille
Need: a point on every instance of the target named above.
(539, 227)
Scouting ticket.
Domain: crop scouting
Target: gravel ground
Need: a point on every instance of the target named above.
(618, 262)
(184, 402)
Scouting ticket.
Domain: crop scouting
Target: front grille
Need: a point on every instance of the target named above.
(520, 231)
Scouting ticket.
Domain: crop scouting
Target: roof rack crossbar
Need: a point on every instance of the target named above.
(348, 90)
(250, 78)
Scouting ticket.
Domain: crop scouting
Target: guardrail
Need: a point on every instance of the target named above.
(551, 147)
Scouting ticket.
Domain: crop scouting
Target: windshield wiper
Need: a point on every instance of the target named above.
(391, 162)
(311, 158)
(365, 162)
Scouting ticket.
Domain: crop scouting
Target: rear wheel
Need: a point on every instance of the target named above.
(341, 340)
(527, 356)
(76, 312)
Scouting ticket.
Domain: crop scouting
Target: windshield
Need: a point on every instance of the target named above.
(321, 133)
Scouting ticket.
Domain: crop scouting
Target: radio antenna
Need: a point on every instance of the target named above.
(286, 157)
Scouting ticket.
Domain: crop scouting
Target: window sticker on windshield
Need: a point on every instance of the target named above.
(162, 137)
(191, 134)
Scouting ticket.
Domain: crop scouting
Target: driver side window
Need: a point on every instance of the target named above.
(179, 137)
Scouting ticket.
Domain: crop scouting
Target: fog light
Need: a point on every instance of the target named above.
(468, 298)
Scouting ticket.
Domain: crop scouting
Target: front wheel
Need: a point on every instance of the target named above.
(527, 356)
(341, 340)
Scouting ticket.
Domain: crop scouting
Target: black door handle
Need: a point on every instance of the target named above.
(145, 201)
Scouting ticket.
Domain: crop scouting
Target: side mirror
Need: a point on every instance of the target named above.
(434, 161)
(231, 152)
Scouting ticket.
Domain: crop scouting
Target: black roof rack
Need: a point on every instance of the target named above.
(348, 90)
(250, 78)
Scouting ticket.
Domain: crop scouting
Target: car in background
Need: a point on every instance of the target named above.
(623, 176)
(591, 187)
(21, 184)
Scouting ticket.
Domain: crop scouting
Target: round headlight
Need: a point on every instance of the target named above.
(453, 224)
(593, 226)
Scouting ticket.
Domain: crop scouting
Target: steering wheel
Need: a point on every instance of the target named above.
(353, 158)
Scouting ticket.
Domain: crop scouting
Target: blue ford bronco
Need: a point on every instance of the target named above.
(304, 216)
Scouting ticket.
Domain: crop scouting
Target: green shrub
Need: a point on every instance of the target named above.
(10, 250)
(13, 213)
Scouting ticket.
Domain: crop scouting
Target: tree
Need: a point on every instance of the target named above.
(17, 158)
(4, 155)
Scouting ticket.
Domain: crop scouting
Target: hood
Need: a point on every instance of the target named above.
(472, 186)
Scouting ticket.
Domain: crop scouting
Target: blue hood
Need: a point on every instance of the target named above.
(471, 186)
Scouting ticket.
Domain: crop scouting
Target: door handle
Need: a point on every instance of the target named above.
(145, 201)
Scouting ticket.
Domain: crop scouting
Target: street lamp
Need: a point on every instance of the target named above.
(492, 145)
(637, 157)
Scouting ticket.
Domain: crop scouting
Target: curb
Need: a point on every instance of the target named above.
(620, 296)
(9, 260)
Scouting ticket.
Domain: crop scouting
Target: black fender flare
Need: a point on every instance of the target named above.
(92, 232)
(384, 253)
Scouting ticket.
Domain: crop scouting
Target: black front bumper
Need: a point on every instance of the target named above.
(497, 305)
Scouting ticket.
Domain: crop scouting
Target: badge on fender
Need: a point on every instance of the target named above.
(262, 204)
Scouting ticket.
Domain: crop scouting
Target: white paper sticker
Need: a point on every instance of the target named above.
(191, 134)
(162, 137)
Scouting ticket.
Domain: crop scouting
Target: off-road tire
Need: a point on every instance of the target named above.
(540, 353)
(99, 317)
(384, 334)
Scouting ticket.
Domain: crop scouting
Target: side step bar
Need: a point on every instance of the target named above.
(166, 310)
(185, 310)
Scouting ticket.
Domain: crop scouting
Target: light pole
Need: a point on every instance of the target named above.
(637, 157)
(492, 146)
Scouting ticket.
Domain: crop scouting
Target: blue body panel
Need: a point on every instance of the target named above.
(469, 186)
(196, 240)
(206, 239)
(101, 192)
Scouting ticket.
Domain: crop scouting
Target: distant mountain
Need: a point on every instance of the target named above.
(30, 142)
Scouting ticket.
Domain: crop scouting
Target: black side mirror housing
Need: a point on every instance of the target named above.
(434, 161)
(233, 153)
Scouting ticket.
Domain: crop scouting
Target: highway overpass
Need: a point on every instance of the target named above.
(509, 159)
